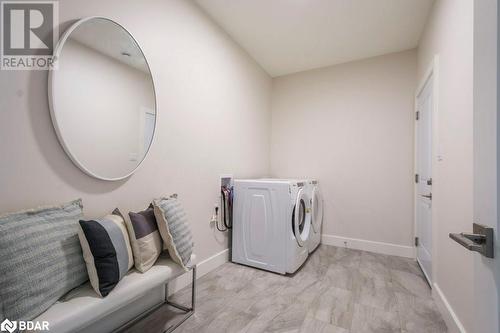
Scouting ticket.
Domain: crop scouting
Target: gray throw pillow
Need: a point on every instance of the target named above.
(40, 259)
(174, 229)
(145, 238)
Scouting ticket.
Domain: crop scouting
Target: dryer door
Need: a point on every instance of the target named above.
(258, 230)
(301, 218)
(317, 209)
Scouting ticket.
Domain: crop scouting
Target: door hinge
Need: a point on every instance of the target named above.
(417, 115)
(416, 178)
(416, 241)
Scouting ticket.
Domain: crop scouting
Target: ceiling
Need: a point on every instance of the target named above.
(287, 36)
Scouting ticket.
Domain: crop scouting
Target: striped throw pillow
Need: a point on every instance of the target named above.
(174, 229)
(40, 259)
(106, 250)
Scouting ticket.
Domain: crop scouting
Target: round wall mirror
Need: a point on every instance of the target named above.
(102, 98)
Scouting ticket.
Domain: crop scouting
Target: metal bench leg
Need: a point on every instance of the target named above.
(189, 310)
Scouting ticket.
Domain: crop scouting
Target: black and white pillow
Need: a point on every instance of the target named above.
(106, 250)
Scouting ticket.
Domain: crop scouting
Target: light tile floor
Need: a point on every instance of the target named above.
(337, 290)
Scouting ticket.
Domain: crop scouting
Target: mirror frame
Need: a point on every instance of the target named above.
(53, 106)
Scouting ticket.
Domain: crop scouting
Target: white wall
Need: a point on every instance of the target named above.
(351, 126)
(449, 34)
(213, 115)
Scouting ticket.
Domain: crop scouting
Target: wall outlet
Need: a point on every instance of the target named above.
(215, 216)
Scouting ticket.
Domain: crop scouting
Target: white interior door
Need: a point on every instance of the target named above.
(423, 198)
(486, 304)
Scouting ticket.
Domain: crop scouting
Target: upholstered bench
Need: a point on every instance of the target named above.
(135, 296)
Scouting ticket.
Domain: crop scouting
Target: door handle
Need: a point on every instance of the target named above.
(428, 196)
(481, 240)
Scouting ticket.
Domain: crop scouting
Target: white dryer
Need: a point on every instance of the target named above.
(271, 224)
(316, 215)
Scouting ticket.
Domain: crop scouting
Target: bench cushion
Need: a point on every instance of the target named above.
(82, 306)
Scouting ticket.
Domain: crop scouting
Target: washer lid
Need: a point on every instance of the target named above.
(316, 209)
(301, 218)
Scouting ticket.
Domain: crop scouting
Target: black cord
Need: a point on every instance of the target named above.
(224, 207)
(217, 221)
(229, 224)
(227, 207)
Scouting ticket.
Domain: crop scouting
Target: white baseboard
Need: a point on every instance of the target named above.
(370, 246)
(449, 316)
(202, 268)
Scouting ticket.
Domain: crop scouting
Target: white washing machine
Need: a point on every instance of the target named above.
(271, 224)
(316, 215)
